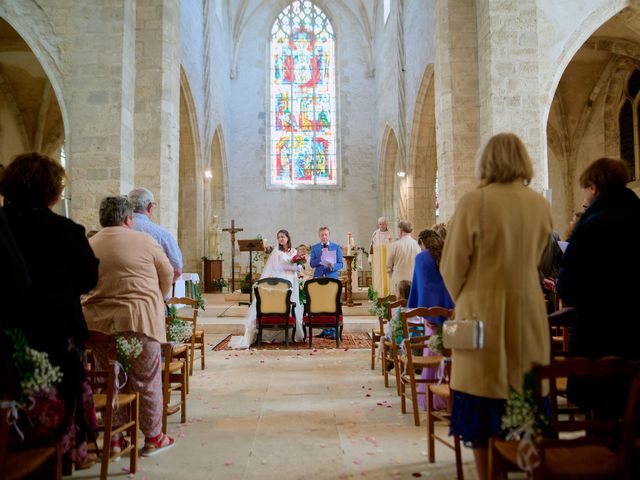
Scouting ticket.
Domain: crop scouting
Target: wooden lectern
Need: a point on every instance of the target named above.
(251, 246)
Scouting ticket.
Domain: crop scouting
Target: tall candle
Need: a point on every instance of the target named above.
(348, 243)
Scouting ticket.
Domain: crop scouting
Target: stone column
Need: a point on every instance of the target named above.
(508, 77)
(157, 106)
(99, 75)
(456, 100)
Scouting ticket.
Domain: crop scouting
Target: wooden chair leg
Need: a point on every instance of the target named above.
(183, 395)
(286, 336)
(414, 400)
(458, 450)
(202, 353)
(396, 367)
(310, 337)
(106, 442)
(403, 398)
(133, 433)
(338, 335)
(385, 369)
(431, 443)
(192, 357)
(373, 350)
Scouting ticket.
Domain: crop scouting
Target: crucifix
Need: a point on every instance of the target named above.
(233, 231)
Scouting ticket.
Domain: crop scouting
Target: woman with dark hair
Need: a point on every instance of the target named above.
(279, 265)
(62, 267)
(428, 290)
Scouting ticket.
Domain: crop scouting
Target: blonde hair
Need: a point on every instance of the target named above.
(504, 159)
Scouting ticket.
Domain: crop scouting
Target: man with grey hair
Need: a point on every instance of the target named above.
(401, 256)
(143, 205)
(381, 239)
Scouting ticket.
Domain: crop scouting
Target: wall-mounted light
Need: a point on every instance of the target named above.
(401, 173)
(208, 174)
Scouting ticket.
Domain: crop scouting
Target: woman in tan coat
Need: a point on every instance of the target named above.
(495, 243)
(134, 276)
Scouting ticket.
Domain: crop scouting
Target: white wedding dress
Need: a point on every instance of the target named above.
(279, 265)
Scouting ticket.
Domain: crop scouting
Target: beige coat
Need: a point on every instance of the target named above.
(401, 256)
(495, 243)
(134, 275)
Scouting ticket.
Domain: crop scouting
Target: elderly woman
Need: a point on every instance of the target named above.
(135, 274)
(61, 267)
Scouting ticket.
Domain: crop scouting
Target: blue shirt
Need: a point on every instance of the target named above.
(321, 270)
(142, 223)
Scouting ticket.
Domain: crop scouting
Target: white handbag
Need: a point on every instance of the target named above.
(463, 334)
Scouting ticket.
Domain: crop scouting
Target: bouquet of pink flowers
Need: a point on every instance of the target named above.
(299, 259)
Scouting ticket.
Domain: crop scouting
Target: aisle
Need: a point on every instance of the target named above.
(289, 415)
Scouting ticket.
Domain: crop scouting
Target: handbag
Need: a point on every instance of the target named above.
(463, 334)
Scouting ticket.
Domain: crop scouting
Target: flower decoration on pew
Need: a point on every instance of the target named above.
(178, 330)
(128, 350)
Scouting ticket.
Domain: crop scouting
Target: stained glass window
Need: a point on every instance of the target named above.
(303, 97)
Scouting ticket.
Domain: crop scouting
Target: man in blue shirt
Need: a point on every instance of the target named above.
(325, 269)
(322, 269)
(143, 204)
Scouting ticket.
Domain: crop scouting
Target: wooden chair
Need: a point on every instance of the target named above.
(109, 400)
(174, 379)
(594, 449)
(415, 341)
(389, 347)
(274, 308)
(323, 308)
(40, 462)
(442, 417)
(196, 342)
(377, 334)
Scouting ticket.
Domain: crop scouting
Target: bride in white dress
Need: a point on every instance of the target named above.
(279, 265)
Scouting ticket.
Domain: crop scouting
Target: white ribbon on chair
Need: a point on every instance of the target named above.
(118, 385)
(528, 456)
(440, 373)
(12, 415)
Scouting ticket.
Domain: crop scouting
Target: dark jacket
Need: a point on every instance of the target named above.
(62, 267)
(14, 280)
(599, 277)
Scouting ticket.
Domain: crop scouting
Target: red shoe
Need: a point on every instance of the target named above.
(157, 444)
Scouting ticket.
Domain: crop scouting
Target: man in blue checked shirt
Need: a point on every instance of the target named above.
(143, 205)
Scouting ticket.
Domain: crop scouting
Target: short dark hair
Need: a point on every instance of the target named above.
(605, 173)
(33, 178)
(404, 289)
(114, 210)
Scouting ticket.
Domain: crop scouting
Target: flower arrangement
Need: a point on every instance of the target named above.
(36, 372)
(301, 295)
(375, 308)
(197, 295)
(178, 330)
(436, 344)
(299, 260)
(523, 420)
(219, 283)
(128, 350)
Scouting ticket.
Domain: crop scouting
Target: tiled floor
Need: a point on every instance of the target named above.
(290, 415)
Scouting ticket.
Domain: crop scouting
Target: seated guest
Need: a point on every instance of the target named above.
(135, 274)
(428, 290)
(61, 267)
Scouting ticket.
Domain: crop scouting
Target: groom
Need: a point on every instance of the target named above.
(325, 269)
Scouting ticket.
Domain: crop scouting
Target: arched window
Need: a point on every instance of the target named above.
(303, 98)
(629, 123)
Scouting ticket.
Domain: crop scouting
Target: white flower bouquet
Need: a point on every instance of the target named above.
(128, 349)
(179, 330)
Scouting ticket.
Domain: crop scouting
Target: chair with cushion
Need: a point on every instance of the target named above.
(411, 360)
(174, 379)
(442, 417)
(107, 398)
(323, 308)
(196, 342)
(274, 308)
(378, 333)
(594, 449)
(389, 347)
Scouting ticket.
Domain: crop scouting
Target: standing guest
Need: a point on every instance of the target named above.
(428, 290)
(401, 256)
(325, 268)
(62, 267)
(497, 238)
(598, 276)
(380, 241)
(440, 229)
(143, 206)
(135, 274)
(322, 267)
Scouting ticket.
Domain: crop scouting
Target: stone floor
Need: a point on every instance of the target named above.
(292, 414)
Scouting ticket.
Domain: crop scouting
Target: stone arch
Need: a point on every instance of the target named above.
(423, 164)
(30, 22)
(580, 35)
(191, 191)
(389, 181)
(216, 193)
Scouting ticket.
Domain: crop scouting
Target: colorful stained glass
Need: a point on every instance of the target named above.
(303, 97)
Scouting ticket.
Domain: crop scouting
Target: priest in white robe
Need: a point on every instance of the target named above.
(380, 241)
